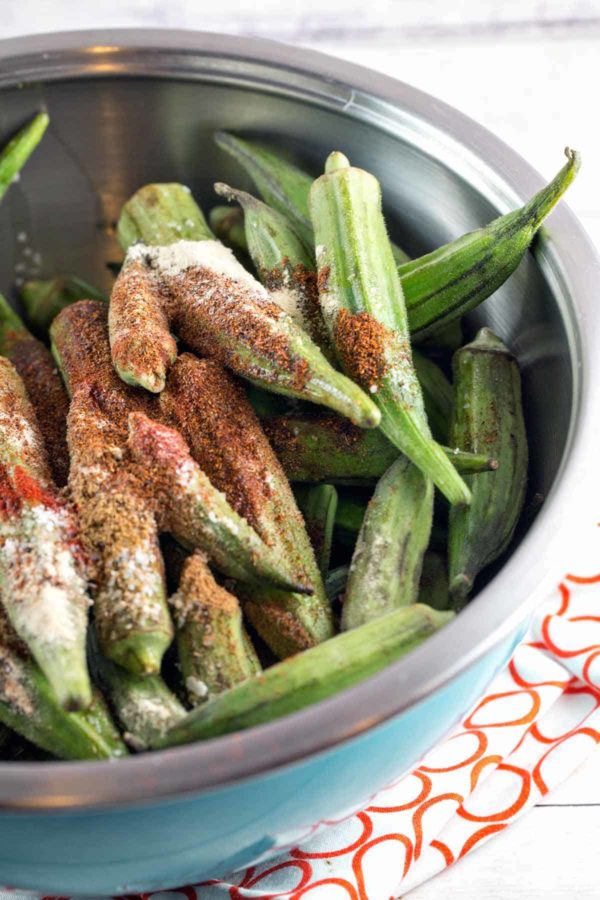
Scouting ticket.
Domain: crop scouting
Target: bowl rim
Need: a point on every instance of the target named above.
(566, 256)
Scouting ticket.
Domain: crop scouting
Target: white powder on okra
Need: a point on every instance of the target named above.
(174, 259)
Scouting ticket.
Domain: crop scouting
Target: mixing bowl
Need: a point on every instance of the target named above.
(129, 107)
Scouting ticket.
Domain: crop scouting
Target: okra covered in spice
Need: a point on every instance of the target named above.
(42, 565)
(211, 410)
(181, 277)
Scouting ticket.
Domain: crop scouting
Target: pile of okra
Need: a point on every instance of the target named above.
(269, 464)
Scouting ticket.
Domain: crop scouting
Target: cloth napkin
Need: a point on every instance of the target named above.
(539, 720)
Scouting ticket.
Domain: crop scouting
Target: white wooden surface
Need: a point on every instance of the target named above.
(529, 70)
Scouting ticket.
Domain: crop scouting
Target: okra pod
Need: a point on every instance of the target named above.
(488, 416)
(42, 575)
(335, 583)
(34, 363)
(117, 523)
(198, 515)
(281, 184)
(350, 514)
(43, 300)
(214, 650)
(210, 409)
(324, 447)
(363, 307)
(445, 284)
(18, 150)
(143, 704)
(28, 705)
(318, 504)
(227, 223)
(283, 264)
(433, 587)
(310, 677)
(437, 395)
(215, 305)
(448, 337)
(386, 565)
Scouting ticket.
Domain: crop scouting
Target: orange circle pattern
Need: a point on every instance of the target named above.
(529, 731)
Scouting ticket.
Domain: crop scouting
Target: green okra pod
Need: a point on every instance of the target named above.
(433, 587)
(335, 582)
(33, 361)
(18, 150)
(214, 650)
(447, 337)
(143, 704)
(324, 447)
(210, 409)
(227, 223)
(44, 299)
(283, 264)
(198, 515)
(42, 575)
(318, 504)
(350, 513)
(310, 677)
(281, 184)
(437, 395)
(488, 415)
(181, 276)
(453, 279)
(386, 565)
(28, 705)
(363, 307)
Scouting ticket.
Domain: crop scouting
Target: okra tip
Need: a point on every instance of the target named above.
(75, 693)
(229, 193)
(140, 654)
(336, 160)
(460, 588)
(574, 156)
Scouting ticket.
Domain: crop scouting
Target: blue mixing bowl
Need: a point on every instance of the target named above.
(129, 107)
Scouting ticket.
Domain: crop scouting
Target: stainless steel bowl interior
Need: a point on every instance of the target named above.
(132, 107)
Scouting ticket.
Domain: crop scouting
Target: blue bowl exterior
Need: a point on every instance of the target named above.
(189, 839)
